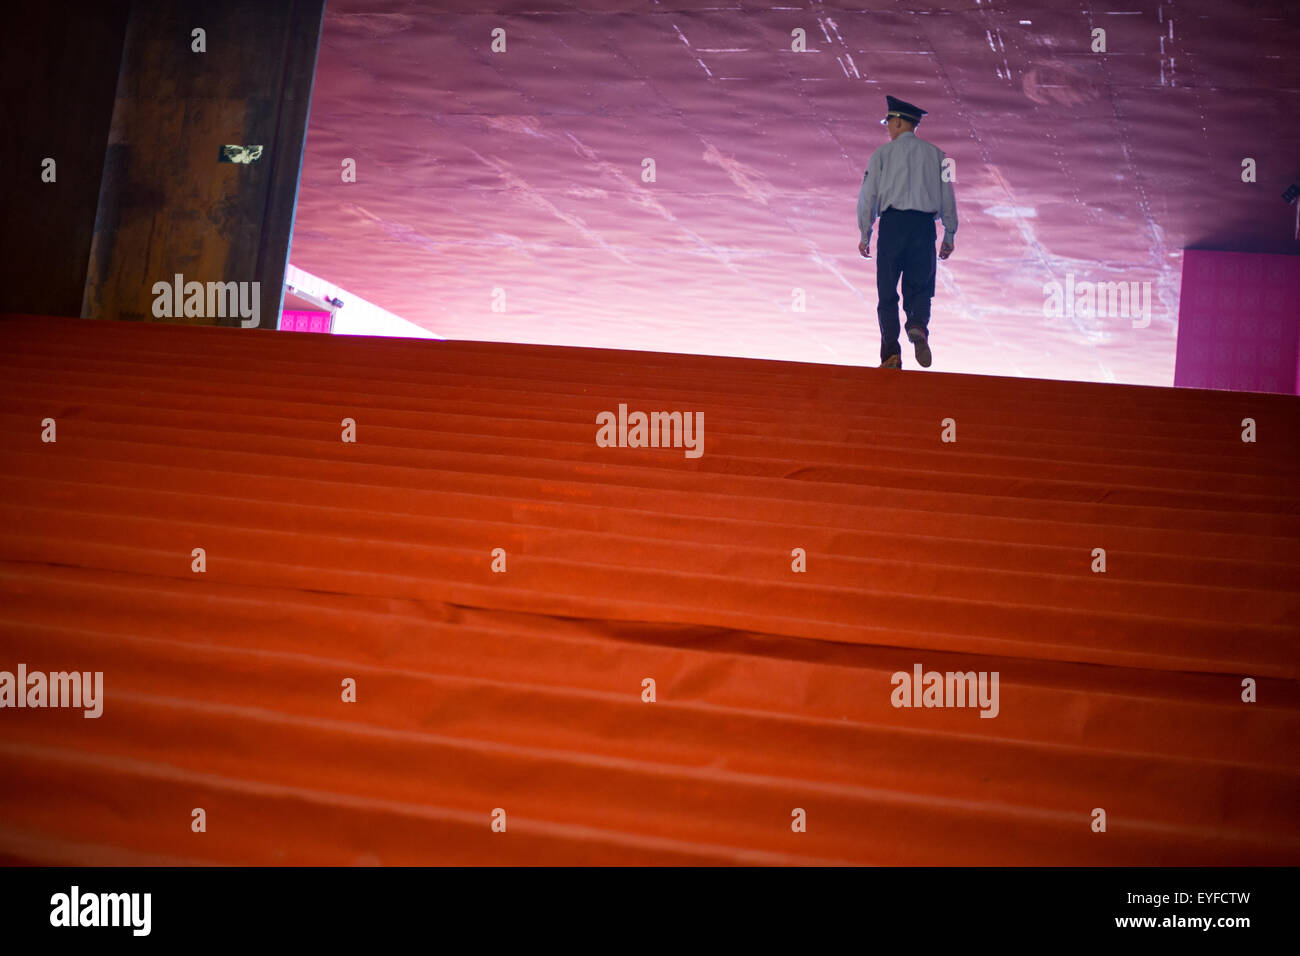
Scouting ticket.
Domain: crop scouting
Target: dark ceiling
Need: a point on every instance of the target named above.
(514, 179)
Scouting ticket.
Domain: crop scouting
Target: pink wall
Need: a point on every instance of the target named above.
(297, 321)
(1239, 322)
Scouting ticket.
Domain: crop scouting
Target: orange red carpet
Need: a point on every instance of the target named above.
(476, 634)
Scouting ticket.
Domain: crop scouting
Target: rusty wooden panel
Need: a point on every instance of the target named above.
(169, 206)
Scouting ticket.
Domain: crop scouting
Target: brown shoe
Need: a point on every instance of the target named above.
(919, 339)
(894, 361)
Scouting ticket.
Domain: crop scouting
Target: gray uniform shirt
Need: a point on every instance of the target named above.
(906, 173)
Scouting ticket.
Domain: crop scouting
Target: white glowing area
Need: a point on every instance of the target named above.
(357, 316)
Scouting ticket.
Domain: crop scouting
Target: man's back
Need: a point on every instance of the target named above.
(909, 169)
(907, 173)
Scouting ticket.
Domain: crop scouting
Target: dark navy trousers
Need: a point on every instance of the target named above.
(905, 248)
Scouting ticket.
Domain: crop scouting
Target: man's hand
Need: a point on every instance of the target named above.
(863, 248)
(945, 250)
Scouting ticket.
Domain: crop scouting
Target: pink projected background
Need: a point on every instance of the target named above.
(500, 196)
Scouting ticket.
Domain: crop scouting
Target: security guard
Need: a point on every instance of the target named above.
(904, 185)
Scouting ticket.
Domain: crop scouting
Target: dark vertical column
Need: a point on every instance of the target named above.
(293, 106)
(59, 72)
(169, 206)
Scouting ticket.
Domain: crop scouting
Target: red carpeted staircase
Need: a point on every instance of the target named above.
(524, 690)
